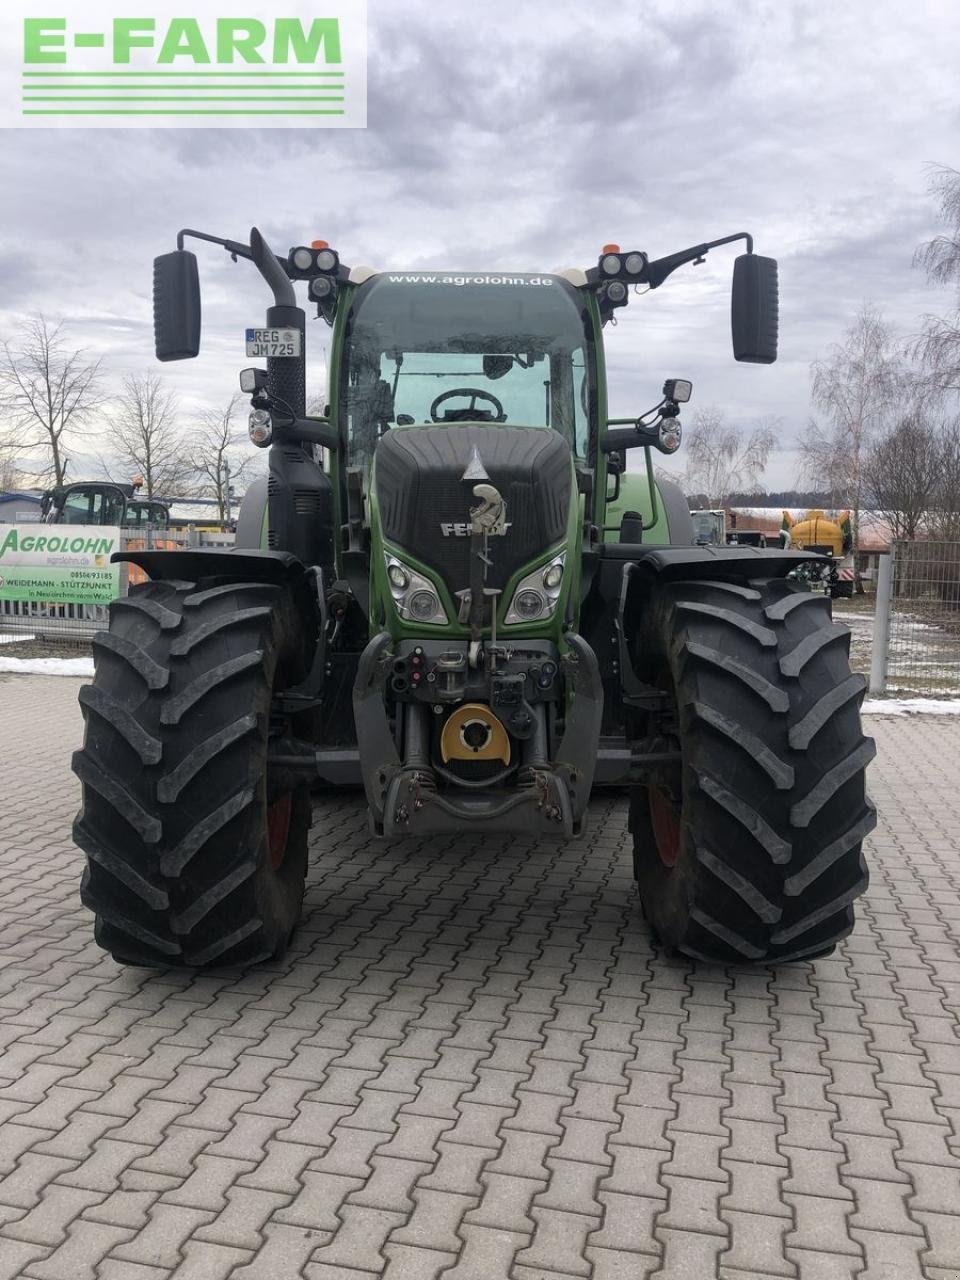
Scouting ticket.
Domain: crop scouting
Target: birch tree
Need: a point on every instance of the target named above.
(723, 458)
(938, 346)
(856, 387)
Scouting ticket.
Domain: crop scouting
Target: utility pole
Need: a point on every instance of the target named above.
(226, 488)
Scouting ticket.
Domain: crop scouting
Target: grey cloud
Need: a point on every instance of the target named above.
(511, 135)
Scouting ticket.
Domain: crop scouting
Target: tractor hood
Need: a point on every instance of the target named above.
(424, 479)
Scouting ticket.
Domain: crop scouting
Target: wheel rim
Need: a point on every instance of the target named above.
(665, 820)
(278, 829)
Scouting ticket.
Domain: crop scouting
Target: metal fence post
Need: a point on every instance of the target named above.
(881, 623)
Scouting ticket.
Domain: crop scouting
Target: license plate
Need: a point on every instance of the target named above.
(273, 344)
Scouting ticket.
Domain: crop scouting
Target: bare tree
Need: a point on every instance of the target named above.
(944, 520)
(938, 346)
(146, 436)
(722, 458)
(901, 472)
(9, 475)
(50, 392)
(856, 386)
(824, 466)
(217, 442)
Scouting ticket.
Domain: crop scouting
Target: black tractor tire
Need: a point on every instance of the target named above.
(750, 849)
(191, 859)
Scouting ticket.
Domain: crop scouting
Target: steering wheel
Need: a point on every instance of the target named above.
(471, 413)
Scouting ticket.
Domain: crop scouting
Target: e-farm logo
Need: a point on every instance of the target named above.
(132, 64)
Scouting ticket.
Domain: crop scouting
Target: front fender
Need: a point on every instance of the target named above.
(194, 563)
(672, 564)
(642, 568)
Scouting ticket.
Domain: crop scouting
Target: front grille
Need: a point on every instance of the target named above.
(420, 490)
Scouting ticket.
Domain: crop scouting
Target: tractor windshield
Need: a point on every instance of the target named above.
(510, 349)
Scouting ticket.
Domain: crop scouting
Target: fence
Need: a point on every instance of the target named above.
(916, 635)
(22, 620)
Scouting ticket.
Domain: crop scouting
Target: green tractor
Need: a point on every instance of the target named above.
(452, 591)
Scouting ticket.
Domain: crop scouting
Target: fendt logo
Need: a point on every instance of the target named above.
(136, 66)
(461, 529)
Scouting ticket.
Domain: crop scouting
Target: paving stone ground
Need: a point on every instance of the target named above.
(474, 1064)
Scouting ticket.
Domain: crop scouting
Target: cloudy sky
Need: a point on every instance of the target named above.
(525, 135)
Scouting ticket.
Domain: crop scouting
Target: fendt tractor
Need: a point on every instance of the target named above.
(452, 589)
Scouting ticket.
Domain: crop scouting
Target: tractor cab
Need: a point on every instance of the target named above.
(436, 350)
(95, 502)
(87, 502)
(142, 513)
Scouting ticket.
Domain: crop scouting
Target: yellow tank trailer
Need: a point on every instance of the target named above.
(830, 535)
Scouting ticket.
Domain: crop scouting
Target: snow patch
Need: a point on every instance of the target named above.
(909, 706)
(47, 666)
(15, 639)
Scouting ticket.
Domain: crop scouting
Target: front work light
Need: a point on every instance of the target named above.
(305, 262)
(679, 390)
(252, 381)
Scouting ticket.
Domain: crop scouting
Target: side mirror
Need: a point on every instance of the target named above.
(176, 305)
(754, 309)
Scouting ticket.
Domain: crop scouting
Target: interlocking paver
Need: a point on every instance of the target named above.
(475, 1063)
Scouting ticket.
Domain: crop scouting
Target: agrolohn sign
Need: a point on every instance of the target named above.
(117, 64)
(69, 566)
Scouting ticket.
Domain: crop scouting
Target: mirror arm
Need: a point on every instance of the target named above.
(274, 272)
(233, 247)
(657, 271)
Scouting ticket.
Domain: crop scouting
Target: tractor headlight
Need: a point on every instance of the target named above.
(423, 605)
(414, 596)
(610, 264)
(260, 428)
(398, 576)
(302, 259)
(537, 595)
(326, 260)
(634, 263)
(553, 576)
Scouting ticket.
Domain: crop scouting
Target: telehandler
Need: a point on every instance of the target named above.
(452, 590)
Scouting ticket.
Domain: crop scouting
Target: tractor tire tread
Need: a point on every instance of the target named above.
(820, 714)
(793, 663)
(148, 747)
(183, 644)
(776, 699)
(173, 771)
(166, 619)
(775, 810)
(153, 675)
